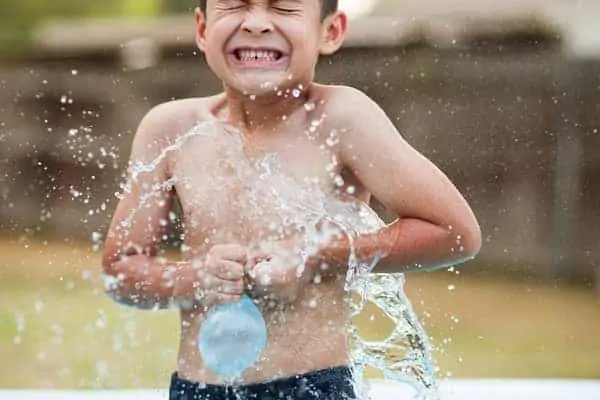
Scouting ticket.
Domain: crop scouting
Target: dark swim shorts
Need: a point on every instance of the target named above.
(328, 384)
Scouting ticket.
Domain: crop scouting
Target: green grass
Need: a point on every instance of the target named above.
(74, 337)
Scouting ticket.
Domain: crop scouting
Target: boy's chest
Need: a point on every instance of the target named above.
(225, 181)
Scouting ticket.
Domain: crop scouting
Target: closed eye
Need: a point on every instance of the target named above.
(285, 10)
(286, 6)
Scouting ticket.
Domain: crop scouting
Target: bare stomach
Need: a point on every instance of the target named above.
(306, 335)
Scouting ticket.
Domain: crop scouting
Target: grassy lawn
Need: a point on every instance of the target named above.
(57, 330)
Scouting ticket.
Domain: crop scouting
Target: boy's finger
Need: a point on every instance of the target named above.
(249, 268)
(228, 298)
(232, 252)
(230, 287)
(257, 252)
(257, 257)
(229, 270)
(263, 273)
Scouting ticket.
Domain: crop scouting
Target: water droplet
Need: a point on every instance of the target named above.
(20, 319)
(101, 369)
(333, 139)
(38, 306)
(96, 237)
(86, 275)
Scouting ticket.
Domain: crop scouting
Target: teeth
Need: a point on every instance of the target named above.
(254, 55)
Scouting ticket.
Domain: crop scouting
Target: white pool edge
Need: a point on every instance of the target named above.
(456, 389)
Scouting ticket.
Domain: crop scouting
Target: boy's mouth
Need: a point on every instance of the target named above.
(257, 56)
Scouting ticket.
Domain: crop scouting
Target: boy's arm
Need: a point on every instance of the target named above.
(134, 275)
(436, 227)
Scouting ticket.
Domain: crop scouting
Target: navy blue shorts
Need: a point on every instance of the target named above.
(328, 384)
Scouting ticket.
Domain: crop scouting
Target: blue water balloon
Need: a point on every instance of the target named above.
(232, 337)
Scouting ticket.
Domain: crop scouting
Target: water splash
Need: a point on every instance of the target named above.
(405, 355)
(302, 206)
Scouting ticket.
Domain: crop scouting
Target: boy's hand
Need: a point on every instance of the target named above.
(217, 278)
(277, 271)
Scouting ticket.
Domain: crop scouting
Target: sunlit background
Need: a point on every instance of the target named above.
(503, 95)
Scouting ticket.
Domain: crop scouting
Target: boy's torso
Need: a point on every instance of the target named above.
(242, 188)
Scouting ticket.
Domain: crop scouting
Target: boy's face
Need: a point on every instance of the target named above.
(255, 46)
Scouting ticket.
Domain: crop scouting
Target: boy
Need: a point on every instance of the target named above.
(210, 152)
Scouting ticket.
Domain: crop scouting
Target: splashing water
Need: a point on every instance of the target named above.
(405, 354)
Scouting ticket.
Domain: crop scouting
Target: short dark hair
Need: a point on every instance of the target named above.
(328, 7)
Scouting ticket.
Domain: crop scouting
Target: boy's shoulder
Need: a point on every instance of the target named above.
(165, 122)
(345, 102)
(177, 116)
(362, 121)
(337, 92)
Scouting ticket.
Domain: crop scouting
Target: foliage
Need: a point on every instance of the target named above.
(19, 18)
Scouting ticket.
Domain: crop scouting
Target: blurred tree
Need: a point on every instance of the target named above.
(18, 18)
(178, 6)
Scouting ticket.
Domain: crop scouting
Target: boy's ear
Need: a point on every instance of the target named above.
(200, 29)
(333, 32)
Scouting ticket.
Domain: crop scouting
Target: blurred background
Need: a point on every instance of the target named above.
(503, 95)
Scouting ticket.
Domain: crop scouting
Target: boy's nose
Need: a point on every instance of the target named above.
(257, 22)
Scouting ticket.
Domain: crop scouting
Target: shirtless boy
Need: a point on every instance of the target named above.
(265, 52)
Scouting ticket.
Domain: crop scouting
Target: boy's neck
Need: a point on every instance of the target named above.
(264, 113)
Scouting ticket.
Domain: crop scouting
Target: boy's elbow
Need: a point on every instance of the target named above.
(112, 277)
(112, 281)
(121, 283)
(109, 268)
(470, 241)
(110, 258)
(115, 288)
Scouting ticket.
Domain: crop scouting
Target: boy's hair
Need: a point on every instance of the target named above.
(328, 7)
